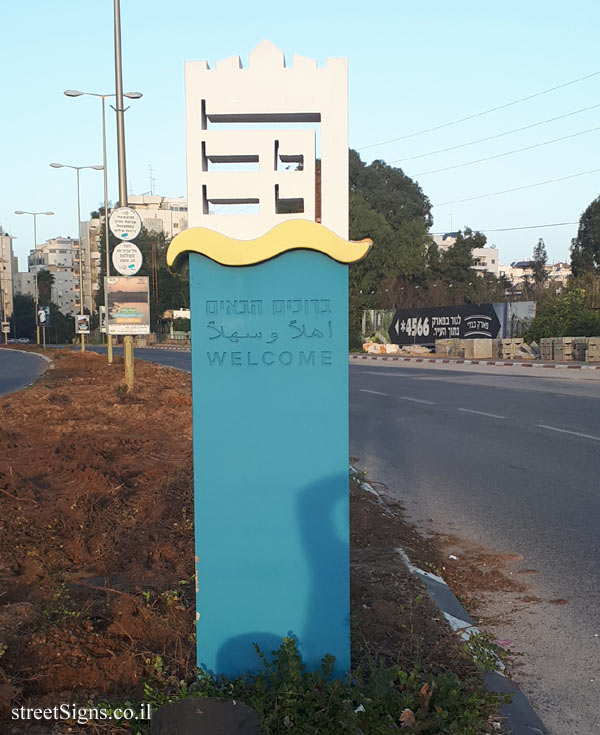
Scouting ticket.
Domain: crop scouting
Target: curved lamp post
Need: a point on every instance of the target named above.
(78, 169)
(35, 215)
(103, 97)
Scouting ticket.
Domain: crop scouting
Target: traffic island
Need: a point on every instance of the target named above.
(97, 588)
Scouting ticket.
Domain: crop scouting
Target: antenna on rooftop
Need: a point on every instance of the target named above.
(152, 179)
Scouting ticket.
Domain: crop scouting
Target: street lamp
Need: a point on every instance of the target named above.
(131, 96)
(78, 169)
(35, 215)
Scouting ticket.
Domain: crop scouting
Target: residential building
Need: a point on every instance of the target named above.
(485, 260)
(559, 273)
(445, 241)
(91, 235)
(6, 275)
(24, 283)
(168, 215)
(60, 256)
(518, 271)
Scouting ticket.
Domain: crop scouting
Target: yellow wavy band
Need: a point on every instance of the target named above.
(295, 234)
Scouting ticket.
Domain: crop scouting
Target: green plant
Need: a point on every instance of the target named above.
(486, 653)
(374, 699)
(59, 607)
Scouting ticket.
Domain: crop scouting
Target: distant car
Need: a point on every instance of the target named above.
(23, 340)
(11, 340)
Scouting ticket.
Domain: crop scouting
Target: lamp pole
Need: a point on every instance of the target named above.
(78, 169)
(128, 339)
(35, 215)
(103, 97)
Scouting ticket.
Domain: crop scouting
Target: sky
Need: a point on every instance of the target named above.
(412, 67)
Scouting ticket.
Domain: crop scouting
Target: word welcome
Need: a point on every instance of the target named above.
(302, 358)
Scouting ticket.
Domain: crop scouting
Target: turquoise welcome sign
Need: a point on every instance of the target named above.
(270, 411)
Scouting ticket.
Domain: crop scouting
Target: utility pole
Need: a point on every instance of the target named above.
(128, 339)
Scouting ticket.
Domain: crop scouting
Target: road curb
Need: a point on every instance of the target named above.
(454, 361)
(166, 347)
(49, 366)
(520, 717)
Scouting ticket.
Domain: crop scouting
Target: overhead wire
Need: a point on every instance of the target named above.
(518, 188)
(480, 114)
(509, 229)
(506, 153)
(493, 137)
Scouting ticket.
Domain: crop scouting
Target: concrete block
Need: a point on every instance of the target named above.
(478, 349)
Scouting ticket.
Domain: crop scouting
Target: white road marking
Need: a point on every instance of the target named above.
(482, 413)
(380, 372)
(417, 400)
(376, 392)
(566, 431)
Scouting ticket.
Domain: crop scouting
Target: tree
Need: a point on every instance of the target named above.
(23, 318)
(457, 261)
(388, 191)
(564, 315)
(540, 258)
(585, 248)
(390, 208)
(45, 281)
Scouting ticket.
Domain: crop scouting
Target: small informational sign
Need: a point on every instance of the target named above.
(82, 323)
(5, 327)
(102, 315)
(43, 316)
(181, 314)
(125, 223)
(127, 305)
(127, 258)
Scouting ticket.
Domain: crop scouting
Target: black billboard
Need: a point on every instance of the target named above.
(424, 326)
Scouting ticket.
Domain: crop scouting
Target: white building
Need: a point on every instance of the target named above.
(445, 241)
(517, 271)
(161, 214)
(60, 256)
(559, 273)
(91, 234)
(24, 283)
(485, 260)
(6, 275)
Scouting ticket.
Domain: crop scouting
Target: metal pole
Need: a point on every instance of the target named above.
(37, 329)
(108, 336)
(80, 259)
(120, 111)
(128, 340)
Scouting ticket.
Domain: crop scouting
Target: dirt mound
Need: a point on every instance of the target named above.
(96, 532)
(96, 547)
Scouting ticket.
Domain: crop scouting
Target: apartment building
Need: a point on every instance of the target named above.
(168, 215)
(485, 260)
(60, 256)
(6, 275)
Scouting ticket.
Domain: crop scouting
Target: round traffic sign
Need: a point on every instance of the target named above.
(127, 258)
(125, 223)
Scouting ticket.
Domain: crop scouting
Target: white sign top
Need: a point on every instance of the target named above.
(127, 258)
(125, 223)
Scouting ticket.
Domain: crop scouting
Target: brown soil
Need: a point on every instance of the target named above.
(96, 546)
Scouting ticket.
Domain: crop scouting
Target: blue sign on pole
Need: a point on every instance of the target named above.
(270, 411)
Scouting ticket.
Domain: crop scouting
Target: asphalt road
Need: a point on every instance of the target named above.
(510, 460)
(18, 370)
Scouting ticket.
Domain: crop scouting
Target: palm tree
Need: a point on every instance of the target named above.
(45, 281)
